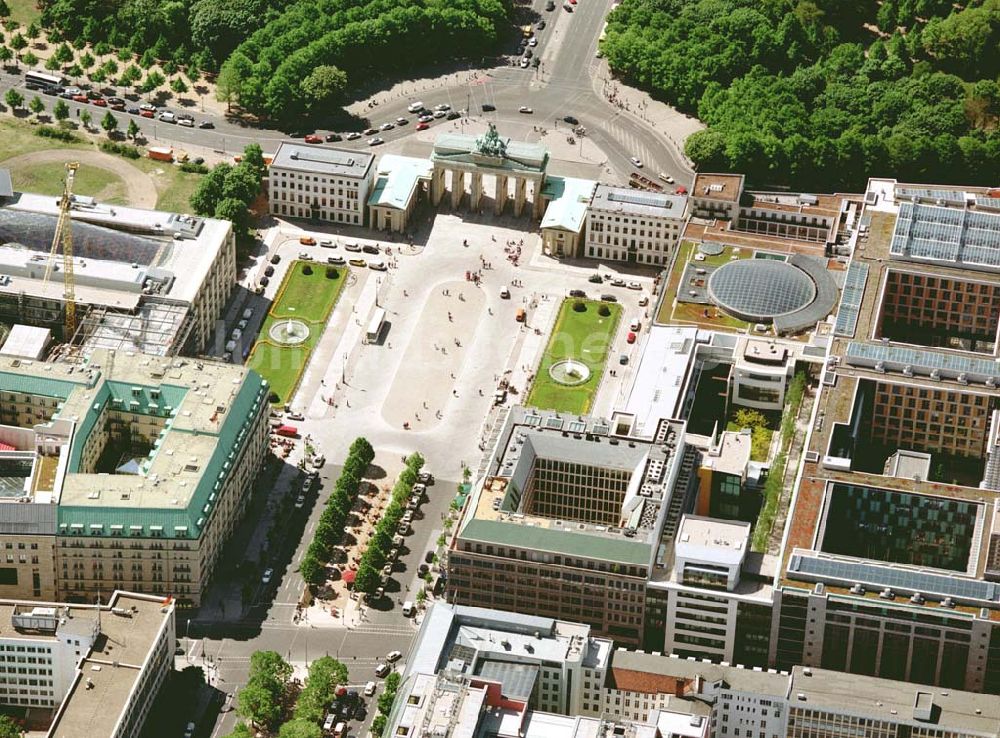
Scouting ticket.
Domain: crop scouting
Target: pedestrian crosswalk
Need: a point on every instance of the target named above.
(384, 629)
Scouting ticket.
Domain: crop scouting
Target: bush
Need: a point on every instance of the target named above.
(273, 398)
(604, 311)
(59, 134)
(332, 273)
(580, 307)
(194, 168)
(307, 270)
(126, 150)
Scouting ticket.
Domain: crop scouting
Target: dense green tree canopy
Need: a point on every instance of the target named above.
(805, 92)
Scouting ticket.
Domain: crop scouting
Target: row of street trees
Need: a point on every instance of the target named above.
(377, 552)
(266, 697)
(330, 529)
(385, 701)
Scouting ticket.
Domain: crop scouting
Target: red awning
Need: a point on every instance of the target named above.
(349, 576)
(6, 447)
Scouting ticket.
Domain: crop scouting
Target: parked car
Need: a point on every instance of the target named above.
(525, 63)
(369, 248)
(609, 298)
(577, 293)
(443, 106)
(167, 117)
(370, 131)
(186, 122)
(623, 359)
(595, 278)
(415, 107)
(357, 262)
(382, 670)
(336, 260)
(353, 136)
(423, 126)
(333, 137)
(147, 114)
(636, 162)
(387, 126)
(550, 6)
(307, 240)
(312, 138)
(300, 502)
(487, 108)
(266, 578)
(453, 115)
(633, 285)
(269, 270)
(375, 141)
(402, 121)
(540, 25)
(353, 247)
(630, 338)
(206, 124)
(525, 109)
(393, 656)
(571, 119)
(370, 689)
(439, 114)
(275, 259)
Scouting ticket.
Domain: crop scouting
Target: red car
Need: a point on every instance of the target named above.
(423, 126)
(80, 98)
(147, 113)
(312, 138)
(681, 191)
(630, 338)
(101, 103)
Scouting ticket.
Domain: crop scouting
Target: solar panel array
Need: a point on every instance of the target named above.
(925, 362)
(929, 232)
(953, 197)
(850, 300)
(897, 579)
(991, 203)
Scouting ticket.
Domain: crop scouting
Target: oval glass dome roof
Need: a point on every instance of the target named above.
(760, 289)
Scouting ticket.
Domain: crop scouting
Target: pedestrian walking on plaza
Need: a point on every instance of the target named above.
(450, 320)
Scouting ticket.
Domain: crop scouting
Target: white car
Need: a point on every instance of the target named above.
(387, 126)
(525, 109)
(353, 136)
(370, 689)
(415, 107)
(266, 578)
(533, 41)
(525, 63)
(375, 141)
(393, 656)
(382, 670)
(438, 114)
(300, 502)
(637, 162)
(443, 106)
(186, 122)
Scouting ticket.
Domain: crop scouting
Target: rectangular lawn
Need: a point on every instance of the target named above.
(582, 335)
(306, 297)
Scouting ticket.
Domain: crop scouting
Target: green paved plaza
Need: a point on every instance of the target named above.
(308, 298)
(584, 336)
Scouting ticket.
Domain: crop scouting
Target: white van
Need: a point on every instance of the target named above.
(634, 325)
(231, 346)
(415, 107)
(408, 609)
(505, 292)
(236, 334)
(247, 314)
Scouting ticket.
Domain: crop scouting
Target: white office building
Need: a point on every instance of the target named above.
(320, 182)
(632, 226)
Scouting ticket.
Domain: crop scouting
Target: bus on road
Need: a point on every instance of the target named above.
(375, 325)
(40, 80)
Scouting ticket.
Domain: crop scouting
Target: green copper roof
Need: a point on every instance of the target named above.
(30, 384)
(231, 439)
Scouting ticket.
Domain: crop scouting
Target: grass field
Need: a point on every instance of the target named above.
(585, 336)
(309, 298)
(17, 136)
(24, 11)
(47, 179)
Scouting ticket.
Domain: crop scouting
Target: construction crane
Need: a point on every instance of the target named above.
(64, 236)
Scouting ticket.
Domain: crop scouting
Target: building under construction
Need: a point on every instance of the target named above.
(142, 280)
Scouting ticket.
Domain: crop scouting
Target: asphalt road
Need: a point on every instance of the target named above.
(564, 84)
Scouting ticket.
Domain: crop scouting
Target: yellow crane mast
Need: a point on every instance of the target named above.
(64, 236)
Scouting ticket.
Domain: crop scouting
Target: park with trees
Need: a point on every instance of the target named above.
(279, 59)
(821, 94)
